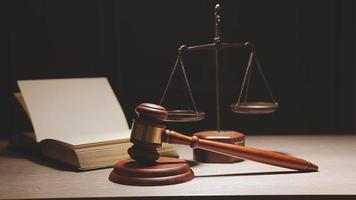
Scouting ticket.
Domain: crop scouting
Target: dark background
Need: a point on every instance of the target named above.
(306, 49)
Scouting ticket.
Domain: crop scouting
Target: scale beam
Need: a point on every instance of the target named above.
(214, 46)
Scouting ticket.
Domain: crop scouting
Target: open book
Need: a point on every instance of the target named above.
(78, 122)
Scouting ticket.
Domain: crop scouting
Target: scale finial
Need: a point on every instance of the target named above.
(217, 7)
(217, 37)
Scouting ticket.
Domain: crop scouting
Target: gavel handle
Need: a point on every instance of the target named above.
(249, 153)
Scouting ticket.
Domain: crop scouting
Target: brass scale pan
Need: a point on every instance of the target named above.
(184, 116)
(257, 107)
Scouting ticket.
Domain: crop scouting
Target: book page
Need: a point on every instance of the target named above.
(75, 111)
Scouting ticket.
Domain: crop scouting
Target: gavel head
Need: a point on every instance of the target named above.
(146, 134)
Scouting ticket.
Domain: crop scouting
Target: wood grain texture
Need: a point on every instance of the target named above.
(26, 176)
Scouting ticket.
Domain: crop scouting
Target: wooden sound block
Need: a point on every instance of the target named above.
(231, 137)
(165, 171)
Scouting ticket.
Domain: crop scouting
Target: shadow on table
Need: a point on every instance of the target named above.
(32, 155)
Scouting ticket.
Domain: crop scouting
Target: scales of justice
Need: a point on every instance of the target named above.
(242, 106)
(149, 131)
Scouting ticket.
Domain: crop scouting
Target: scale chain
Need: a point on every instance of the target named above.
(264, 79)
(187, 83)
(169, 80)
(248, 77)
(248, 83)
(179, 61)
(245, 77)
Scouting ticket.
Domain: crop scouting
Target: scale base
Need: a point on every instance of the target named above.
(165, 171)
(232, 137)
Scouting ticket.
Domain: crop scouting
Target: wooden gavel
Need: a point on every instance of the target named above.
(149, 131)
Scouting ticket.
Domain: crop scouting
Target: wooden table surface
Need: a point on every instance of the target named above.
(26, 176)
